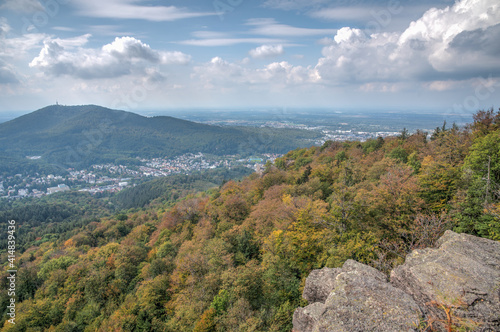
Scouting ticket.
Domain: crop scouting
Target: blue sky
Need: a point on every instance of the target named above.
(336, 54)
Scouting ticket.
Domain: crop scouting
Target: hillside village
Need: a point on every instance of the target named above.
(109, 178)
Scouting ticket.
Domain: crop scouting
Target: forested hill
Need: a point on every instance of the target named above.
(236, 258)
(75, 135)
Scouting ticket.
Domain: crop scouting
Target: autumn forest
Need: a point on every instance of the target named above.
(235, 258)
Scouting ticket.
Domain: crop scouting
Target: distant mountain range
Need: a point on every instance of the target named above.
(72, 136)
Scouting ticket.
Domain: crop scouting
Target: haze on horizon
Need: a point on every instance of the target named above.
(143, 54)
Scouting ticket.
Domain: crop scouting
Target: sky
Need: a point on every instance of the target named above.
(441, 56)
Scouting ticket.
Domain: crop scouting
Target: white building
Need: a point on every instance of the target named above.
(59, 188)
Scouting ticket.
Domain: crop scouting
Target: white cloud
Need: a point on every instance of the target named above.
(354, 57)
(343, 13)
(470, 51)
(441, 85)
(7, 74)
(376, 16)
(123, 56)
(216, 38)
(229, 41)
(174, 58)
(262, 26)
(443, 50)
(78, 41)
(130, 48)
(109, 30)
(15, 46)
(455, 42)
(4, 27)
(384, 87)
(67, 29)
(434, 36)
(293, 4)
(23, 6)
(129, 9)
(285, 73)
(221, 73)
(267, 51)
(210, 34)
(13, 50)
(18, 46)
(269, 27)
(348, 36)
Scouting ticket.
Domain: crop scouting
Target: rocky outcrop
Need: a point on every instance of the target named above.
(461, 276)
(359, 299)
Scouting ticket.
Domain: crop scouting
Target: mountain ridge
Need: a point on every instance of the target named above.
(80, 135)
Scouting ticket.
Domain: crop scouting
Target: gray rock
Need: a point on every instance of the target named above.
(463, 273)
(305, 319)
(363, 270)
(319, 284)
(360, 300)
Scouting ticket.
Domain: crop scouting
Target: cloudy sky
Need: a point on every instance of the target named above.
(440, 55)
